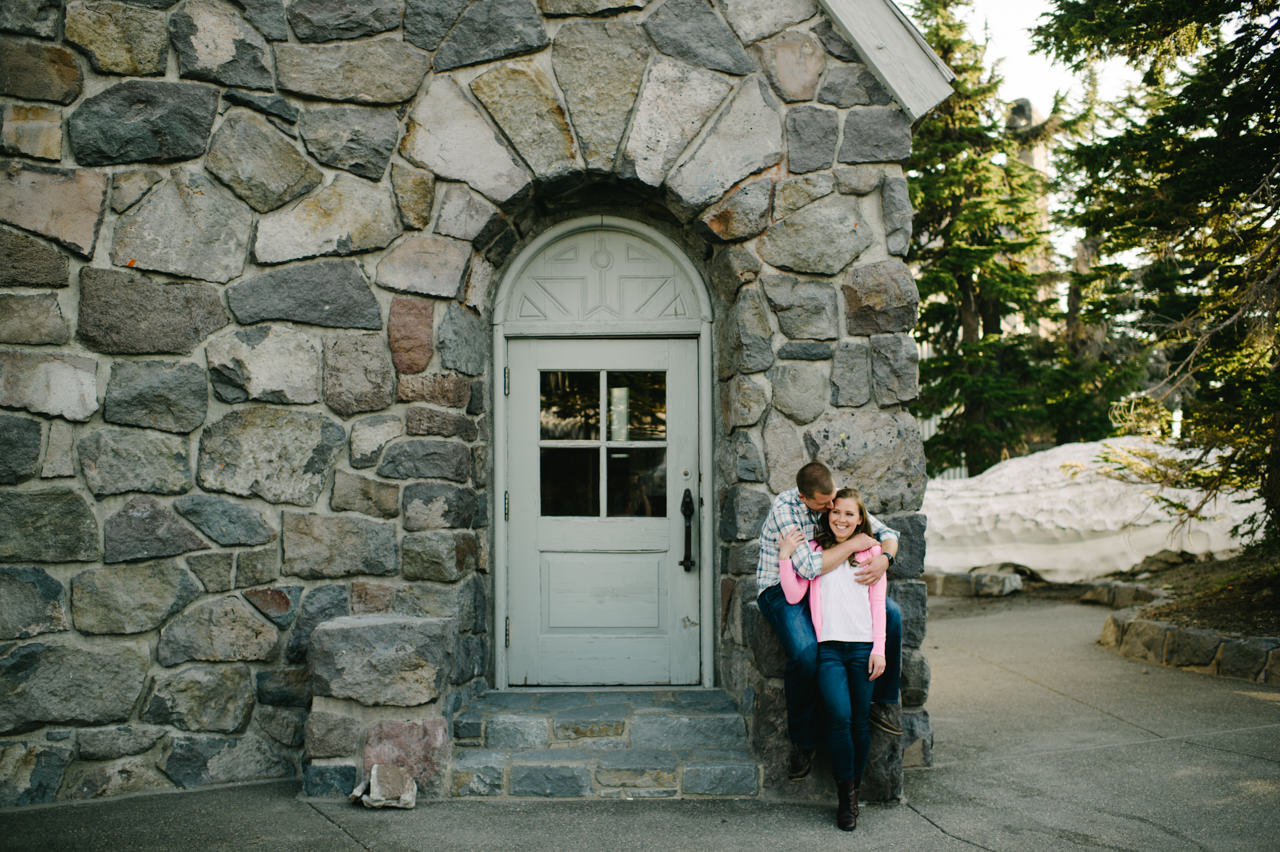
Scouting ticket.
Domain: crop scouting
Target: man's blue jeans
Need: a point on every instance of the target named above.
(794, 629)
(846, 692)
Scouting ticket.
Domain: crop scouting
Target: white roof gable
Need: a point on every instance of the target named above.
(894, 50)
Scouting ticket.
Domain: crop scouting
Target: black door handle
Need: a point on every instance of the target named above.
(686, 509)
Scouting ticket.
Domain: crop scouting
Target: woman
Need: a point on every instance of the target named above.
(848, 619)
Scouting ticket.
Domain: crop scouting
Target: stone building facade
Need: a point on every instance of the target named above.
(266, 270)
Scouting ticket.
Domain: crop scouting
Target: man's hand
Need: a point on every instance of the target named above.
(867, 573)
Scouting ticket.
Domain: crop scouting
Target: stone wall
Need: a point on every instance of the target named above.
(247, 256)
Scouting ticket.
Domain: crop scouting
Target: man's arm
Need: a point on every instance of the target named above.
(870, 572)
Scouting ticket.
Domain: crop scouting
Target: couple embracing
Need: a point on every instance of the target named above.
(822, 587)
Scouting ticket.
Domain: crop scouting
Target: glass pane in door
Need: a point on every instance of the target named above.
(637, 406)
(638, 482)
(570, 481)
(570, 405)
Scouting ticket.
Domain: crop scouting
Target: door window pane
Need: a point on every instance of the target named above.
(570, 481)
(570, 405)
(638, 482)
(637, 406)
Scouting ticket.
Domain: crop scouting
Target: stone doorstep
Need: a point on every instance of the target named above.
(602, 744)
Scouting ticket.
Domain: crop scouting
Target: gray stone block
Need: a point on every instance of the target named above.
(880, 297)
(721, 779)
(597, 720)
(1190, 647)
(36, 677)
(637, 769)
(215, 43)
(169, 395)
(477, 772)
(382, 70)
(437, 505)
(47, 526)
(145, 529)
(812, 132)
(130, 598)
(39, 72)
(664, 731)
(116, 461)
(126, 313)
(743, 512)
(383, 660)
(422, 458)
(117, 741)
(286, 687)
(20, 439)
(332, 293)
(875, 134)
(1245, 658)
(33, 320)
(355, 138)
(516, 732)
(225, 629)
(31, 602)
(909, 561)
(550, 781)
(329, 781)
(916, 676)
(332, 734)
(491, 29)
(358, 374)
(330, 20)
(201, 698)
(1144, 640)
(279, 455)
(28, 261)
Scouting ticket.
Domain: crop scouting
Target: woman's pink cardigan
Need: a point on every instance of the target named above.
(794, 587)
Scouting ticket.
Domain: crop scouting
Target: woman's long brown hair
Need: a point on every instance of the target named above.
(825, 537)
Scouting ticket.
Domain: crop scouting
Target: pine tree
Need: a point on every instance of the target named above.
(979, 251)
(1186, 172)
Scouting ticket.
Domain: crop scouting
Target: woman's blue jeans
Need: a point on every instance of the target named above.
(846, 691)
(794, 629)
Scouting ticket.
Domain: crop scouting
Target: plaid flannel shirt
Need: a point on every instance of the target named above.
(788, 511)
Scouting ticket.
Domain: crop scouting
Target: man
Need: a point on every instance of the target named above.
(801, 508)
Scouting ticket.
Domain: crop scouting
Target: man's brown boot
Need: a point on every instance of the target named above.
(800, 764)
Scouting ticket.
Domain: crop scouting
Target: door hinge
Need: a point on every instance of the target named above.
(506, 381)
(506, 505)
(508, 645)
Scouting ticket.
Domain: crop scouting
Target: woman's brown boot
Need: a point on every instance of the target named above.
(846, 806)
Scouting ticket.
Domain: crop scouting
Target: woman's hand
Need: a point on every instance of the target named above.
(787, 546)
(875, 666)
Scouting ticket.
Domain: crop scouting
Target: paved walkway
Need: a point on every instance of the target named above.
(1043, 741)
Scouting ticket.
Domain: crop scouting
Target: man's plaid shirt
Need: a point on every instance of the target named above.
(788, 511)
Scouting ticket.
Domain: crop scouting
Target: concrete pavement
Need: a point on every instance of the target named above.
(1043, 740)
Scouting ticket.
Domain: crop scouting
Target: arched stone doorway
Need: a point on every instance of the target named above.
(602, 427)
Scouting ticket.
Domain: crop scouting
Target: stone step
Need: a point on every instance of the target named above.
(603, 744)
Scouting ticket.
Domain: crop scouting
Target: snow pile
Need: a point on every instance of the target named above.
(1032, 510)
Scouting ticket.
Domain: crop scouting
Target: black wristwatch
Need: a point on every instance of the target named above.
(890, 555)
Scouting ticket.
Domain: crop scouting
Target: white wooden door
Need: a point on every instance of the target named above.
(602, 445)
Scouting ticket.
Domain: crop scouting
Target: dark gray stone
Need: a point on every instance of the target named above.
(748, 463)
(912, 597)
(358, 374)
(198, 759)
(680, 732)
(31, 602)
(1242, 658)
(516, 731)
(851, 373)
(427, 22)
(38, 18)
(852, 85)
(201, 698)
(214, 43)
(908, 563)
(358, 139)
(168, 122)
(437, 505)
(806, 309)
(47, 526)
(217, 630)
(491, 29)
(34, 320)
(743, 513)
(130, 598)
(39, 72)
(880, 297)
(28, 261)
(272, 105)
(380, 660)
(229, 524)
(463, 341)
(289, 687)
(915, 678)
(267, 16)
(117, 741)
(804, 350)
(694, 32)
(285, 726)
(257, 567)
(277, 454)
(320, 604)
(812, 132)
(875, 134)
(728, 778)
(329, 20)
(116, 461)
(426, 459)
(43, 766)
(1191, 647)
(316, 546)
(895, 207)
(767, 653)
(550, 781)
(20, 439)
(128, 313)
(144, 529)
(478, 772)
(258, 163)
(894, 368)
(329, 781)
(168, 395)
(332, 293)
(52, 684)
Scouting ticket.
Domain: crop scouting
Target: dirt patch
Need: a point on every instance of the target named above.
(1237, 595)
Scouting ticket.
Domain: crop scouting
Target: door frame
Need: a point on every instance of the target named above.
(698, 327)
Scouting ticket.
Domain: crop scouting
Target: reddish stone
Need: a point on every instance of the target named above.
(273, 603)
(409, 333)
(371, 598)
(450, 390)
(420, 420)
(423, 747)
